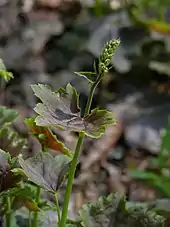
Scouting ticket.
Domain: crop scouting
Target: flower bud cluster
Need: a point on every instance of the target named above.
(107, 54)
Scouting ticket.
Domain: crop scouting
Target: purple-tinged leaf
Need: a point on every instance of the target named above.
(60, 109)
(45, 170)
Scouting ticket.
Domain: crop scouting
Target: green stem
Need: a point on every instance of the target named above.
(70, 180)
(58, 208)
(90, 98)
(75, 160)
(9, 212)
(35, 221)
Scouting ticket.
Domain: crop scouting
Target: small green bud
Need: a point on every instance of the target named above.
(41, 137)
(107, 54)
(4, 73)
(103, 68)
(107, 62)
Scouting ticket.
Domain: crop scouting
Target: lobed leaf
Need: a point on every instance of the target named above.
(113, 211)
(45, 170)
(60, 109)
(160, 206)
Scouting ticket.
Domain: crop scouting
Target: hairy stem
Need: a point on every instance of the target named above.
(8, 214)
(35, 221)
(75, 160)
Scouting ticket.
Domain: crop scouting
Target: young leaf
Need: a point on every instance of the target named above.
(45, 170)
(160, 206)
(90, 76)
(113, 211)
(46, 137)
(3, 72)
(103, 212)
(61, 109)
(102, 67)
(141, 216)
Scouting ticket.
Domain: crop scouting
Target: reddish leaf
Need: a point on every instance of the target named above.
(160, 27)
(30, 205)
(46, 137)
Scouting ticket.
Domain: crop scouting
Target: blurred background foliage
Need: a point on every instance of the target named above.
(46, 41)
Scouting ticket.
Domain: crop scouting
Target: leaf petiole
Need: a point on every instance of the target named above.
(70, 179)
